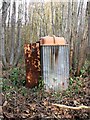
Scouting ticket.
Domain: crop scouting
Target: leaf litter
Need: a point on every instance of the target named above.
(38, 104)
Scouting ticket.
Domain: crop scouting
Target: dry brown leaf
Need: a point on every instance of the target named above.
(27, 111)
(5, 103)
(23, 115)
(8, 115)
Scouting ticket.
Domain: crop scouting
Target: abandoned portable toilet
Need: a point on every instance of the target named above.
(49, 58)
(54, 62)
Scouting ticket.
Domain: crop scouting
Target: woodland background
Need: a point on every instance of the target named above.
(25, 23)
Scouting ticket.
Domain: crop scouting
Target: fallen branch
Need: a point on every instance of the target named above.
(70, 107)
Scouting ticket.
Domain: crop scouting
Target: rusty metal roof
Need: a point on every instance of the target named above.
(48, 40)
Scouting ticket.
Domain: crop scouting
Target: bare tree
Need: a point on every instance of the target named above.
(88, 14)
(25, 12)
(88, 56)
(0, 48)
(13, 21)
(8, 40)
(52, 14)
(18, 50)
(5, 6)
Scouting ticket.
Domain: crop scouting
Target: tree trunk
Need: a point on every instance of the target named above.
(13, 19)
(8, 40)
(52, 13)
(88, 49)
(25, 13)
(19, 37)
(0, 49)
(4, 16)
(80, 36)
(71, 37)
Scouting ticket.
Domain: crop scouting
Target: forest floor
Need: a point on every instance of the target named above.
(21, 103)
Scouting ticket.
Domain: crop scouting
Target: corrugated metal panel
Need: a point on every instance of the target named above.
(55, 66)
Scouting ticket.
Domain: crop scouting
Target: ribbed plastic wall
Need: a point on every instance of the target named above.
(55, 66)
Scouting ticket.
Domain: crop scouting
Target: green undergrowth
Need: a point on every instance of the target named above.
(15, 83)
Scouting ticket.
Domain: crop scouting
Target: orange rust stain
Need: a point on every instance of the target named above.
(32, 61)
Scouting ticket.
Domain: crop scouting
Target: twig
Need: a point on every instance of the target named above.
(70, 107)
